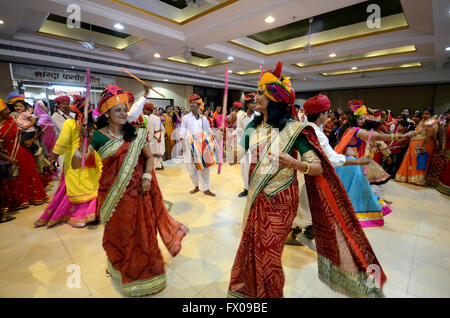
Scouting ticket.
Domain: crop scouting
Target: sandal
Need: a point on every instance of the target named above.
(8, 219)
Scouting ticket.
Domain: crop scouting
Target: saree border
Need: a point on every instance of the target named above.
(347, 283)
(139, 287)
(124, 175)
(258, 181)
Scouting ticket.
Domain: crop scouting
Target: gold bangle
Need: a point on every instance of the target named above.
(307, 168)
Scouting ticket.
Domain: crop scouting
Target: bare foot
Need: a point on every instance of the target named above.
(207, 192)
(195, 190)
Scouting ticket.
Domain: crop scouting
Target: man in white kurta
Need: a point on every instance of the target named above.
(191, 124)
(316, 109)
(244, 117)
(156, 133)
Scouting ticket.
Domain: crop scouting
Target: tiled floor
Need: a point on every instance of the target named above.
(413, 247)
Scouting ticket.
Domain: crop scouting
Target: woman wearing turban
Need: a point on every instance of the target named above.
(370, 209)
(344, 253)
(130, 202)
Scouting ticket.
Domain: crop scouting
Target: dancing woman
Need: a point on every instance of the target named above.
(424, 142)
(74, 201)
(130, 202)
(344, 252)
(370, 209)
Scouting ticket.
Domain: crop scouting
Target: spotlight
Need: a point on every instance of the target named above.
(332, 55)
(269, 19)
(354, 68)
(2, 22)
(230, 58)
(157, 55)
(119, 26)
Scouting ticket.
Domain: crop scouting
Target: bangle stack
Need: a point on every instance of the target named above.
(147, 176)
(307, 167)
(394, 136)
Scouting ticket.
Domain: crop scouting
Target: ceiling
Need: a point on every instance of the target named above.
(407, 48)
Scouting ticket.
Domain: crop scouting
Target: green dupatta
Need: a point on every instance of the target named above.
(126, 171)
(265, 176)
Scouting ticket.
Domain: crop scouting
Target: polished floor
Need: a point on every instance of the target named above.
(413, 247)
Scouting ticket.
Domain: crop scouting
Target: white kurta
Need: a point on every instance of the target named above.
(156, 131)
(241, 122)
(190, 126)
(303, 218)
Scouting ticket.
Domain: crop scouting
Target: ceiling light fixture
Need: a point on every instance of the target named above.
(354, 68)
(332, 55)
(447, 48)
(230, 71)
(72, 66)
(156, 55)
(2, 22)
(230, 58)
(269, 19)
(119, 26)
(166, 80)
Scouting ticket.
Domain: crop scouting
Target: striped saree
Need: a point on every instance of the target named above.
(132, 219)
(344, 253)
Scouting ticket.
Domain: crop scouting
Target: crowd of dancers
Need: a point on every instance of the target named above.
(346, 157)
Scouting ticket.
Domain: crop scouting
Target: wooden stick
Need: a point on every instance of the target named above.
(141, 81)
(86, 107)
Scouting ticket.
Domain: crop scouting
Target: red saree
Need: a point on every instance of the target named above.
(344, 253)
(130, 234)
(27, 188)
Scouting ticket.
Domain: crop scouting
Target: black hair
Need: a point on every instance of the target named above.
(430, 110)
(278, 115)
(336, 115)
(418, 113)
(350, 123)
(312, 118)
(371, 124)
(409, 110)
(129, 132)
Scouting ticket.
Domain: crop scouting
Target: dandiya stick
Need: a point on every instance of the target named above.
(261, 74)
(224, 113)
(141, 81)
(86, 107)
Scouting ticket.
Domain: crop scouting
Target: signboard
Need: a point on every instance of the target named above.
(21, 72)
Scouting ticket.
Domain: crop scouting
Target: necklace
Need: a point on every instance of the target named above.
(114, 136)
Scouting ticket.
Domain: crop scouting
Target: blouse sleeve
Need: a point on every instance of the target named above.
(245, 140)
(305, 149)
(64, 141)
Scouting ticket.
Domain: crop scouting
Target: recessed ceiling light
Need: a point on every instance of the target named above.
(447, 48)
(72, 66)
(119, 26)
(230, 58)
(260, 66)
(2, 22)
(332, 55)
(354, 68)
(269, 19)
(230, 71)
(157, 55)
(166, 80)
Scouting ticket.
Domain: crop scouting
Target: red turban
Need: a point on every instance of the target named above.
(317, 104)
(130, 97)
(237, 104)
(62, 99)
(149, 106)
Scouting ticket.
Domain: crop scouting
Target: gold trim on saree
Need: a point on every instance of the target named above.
(264, 172)
(347, 283)
(139, 287)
